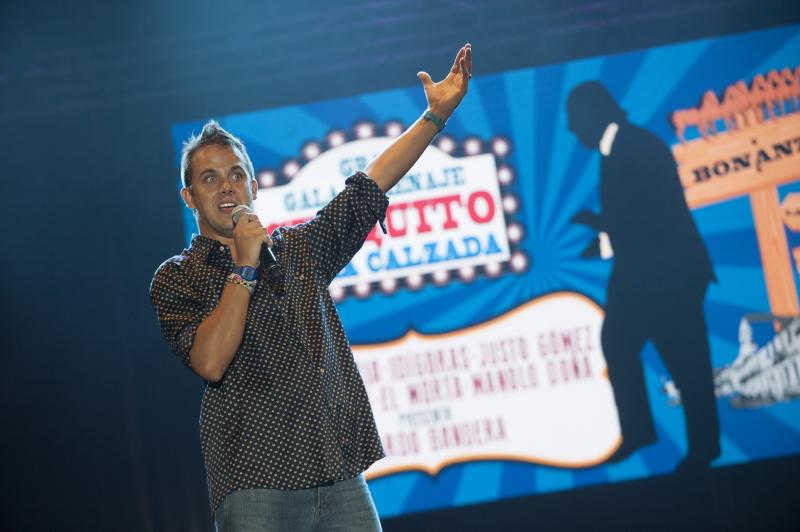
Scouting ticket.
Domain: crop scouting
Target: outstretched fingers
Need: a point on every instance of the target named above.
(463, 62)
(457, 62)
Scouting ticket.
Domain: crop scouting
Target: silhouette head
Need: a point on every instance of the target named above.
(590, 108)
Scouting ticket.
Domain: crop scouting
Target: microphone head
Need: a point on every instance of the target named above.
(238, 211)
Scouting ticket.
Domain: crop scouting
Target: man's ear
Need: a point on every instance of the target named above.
(188, 199)
(254, 188)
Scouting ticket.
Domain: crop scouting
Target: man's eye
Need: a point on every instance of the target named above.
(237, 177)
(210, 179)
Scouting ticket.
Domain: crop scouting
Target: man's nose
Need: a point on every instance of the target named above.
(225, 184)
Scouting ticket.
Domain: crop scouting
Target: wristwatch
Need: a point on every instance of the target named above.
(438, 122)
(248, 273)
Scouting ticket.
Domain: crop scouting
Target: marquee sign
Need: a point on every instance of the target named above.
(449, 216)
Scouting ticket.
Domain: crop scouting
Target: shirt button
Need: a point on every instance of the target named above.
(222, 248)
(321, 371)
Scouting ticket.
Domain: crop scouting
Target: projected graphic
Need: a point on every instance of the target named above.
(477, 320)
(487, 392)
(446, 216)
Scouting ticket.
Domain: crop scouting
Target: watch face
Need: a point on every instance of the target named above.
(248, 273)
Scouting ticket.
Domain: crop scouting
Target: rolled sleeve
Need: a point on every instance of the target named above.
(374, 200)
(178, 310)
(340, 228)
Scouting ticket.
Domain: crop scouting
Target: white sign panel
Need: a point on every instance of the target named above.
(530, 385)
(445, 214)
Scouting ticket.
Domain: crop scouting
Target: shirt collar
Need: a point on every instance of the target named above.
(607, 140)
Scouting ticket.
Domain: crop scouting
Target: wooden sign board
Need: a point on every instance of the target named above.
(735, 163)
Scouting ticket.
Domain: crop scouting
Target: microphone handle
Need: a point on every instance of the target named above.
(270, 264)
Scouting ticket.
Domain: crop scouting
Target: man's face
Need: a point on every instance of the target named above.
(219, 183)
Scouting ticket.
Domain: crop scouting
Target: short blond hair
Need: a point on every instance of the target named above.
(212, 133)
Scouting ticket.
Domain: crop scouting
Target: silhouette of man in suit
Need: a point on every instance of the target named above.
(659, 278)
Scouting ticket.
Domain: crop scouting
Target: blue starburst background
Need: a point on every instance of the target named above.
(555, 178)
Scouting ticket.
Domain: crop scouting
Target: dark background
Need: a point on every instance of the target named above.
(99, 426)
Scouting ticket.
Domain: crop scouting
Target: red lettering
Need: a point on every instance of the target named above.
(375, 236)
(473, 211)
(447, 201)
(424, 226)
(394, 230)
(477, 384)
(449, 223)
(401, 443)
(566, 341)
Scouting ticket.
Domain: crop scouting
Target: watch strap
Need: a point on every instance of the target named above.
(438, 122)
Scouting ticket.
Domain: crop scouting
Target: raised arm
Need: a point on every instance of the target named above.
(339, 230)
(443, 97)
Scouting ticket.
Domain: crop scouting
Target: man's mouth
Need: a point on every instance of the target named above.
(227, 206)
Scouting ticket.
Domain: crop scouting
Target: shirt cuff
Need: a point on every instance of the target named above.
(184, 343)
(376, 200)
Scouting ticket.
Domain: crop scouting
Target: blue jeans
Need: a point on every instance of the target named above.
(342, 506)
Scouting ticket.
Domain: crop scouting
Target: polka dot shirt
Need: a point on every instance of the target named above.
(291, 411)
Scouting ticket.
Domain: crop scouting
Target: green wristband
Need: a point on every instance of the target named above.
(438, 122)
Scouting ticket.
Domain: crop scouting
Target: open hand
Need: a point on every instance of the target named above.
(444, 96)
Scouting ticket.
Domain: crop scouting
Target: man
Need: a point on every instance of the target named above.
(659, 278)
(286, 428)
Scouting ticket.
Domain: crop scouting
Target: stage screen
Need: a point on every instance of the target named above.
(477, 319)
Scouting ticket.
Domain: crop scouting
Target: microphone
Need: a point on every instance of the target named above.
(268, 261)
